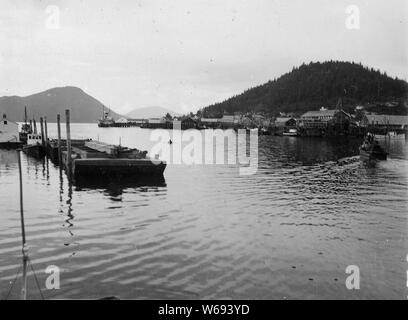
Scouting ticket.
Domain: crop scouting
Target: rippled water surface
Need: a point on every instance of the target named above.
(289, 231)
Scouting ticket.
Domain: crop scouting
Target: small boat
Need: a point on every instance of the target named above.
(26, 128)
(291, 133)
(34, 146)
(25, 131)
(371, 150)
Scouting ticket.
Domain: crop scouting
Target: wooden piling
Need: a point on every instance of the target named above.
(24, 249)
(35, 126)
(69, 151)
(42, 131)
(25, 115)
(24, 286)
(59, 140)
(21, 199)
(46, 130)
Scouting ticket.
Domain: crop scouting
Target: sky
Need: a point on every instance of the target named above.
(187, 54)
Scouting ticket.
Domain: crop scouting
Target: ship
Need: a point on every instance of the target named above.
(26, 128)
(34, 146)
(106, 120)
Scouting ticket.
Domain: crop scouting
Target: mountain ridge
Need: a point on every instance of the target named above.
(84, 108)
(149, 112)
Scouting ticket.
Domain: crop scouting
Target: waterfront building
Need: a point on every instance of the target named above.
(158, 123)
(229, 121)
(285, 122)
(324, 118)
(137, 122)
(188, 123)
(383, 121)
(8, 131)
(210, 122)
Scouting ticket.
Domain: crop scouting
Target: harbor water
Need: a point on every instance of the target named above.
(206, 232)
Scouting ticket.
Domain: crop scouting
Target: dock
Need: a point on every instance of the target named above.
(99, 159)
(52, 147)
(86, 158)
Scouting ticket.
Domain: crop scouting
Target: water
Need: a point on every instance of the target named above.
(287, 232)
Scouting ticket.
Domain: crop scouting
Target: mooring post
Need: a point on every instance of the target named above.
(68, 142)
(25, 115)
(21, 199)
(24, 286)
(46, 130)
(59, 140)
(24, 249)
(42, 131)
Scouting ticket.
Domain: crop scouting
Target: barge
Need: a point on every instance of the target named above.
(52, 147)
(99, 159)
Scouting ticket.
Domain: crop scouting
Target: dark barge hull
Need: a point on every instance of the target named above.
(101, 167)
(36, 151)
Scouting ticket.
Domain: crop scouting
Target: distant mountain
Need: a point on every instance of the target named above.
(309, 87)
(149, 112)
(84, 108)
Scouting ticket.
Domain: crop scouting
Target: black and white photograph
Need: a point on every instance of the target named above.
(203, 150)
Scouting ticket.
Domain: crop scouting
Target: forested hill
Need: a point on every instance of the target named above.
(312, 86)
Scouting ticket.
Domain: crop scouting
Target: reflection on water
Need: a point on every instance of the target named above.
(115, 188)
(288, 231)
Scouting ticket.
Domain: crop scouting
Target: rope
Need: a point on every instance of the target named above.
(36, 280)
(12, 285)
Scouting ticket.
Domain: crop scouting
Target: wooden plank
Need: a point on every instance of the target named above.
(102, 147)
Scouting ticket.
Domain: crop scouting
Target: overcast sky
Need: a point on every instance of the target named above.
(186, 54)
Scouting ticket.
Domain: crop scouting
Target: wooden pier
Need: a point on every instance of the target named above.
(54, 145)
(88, 158)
